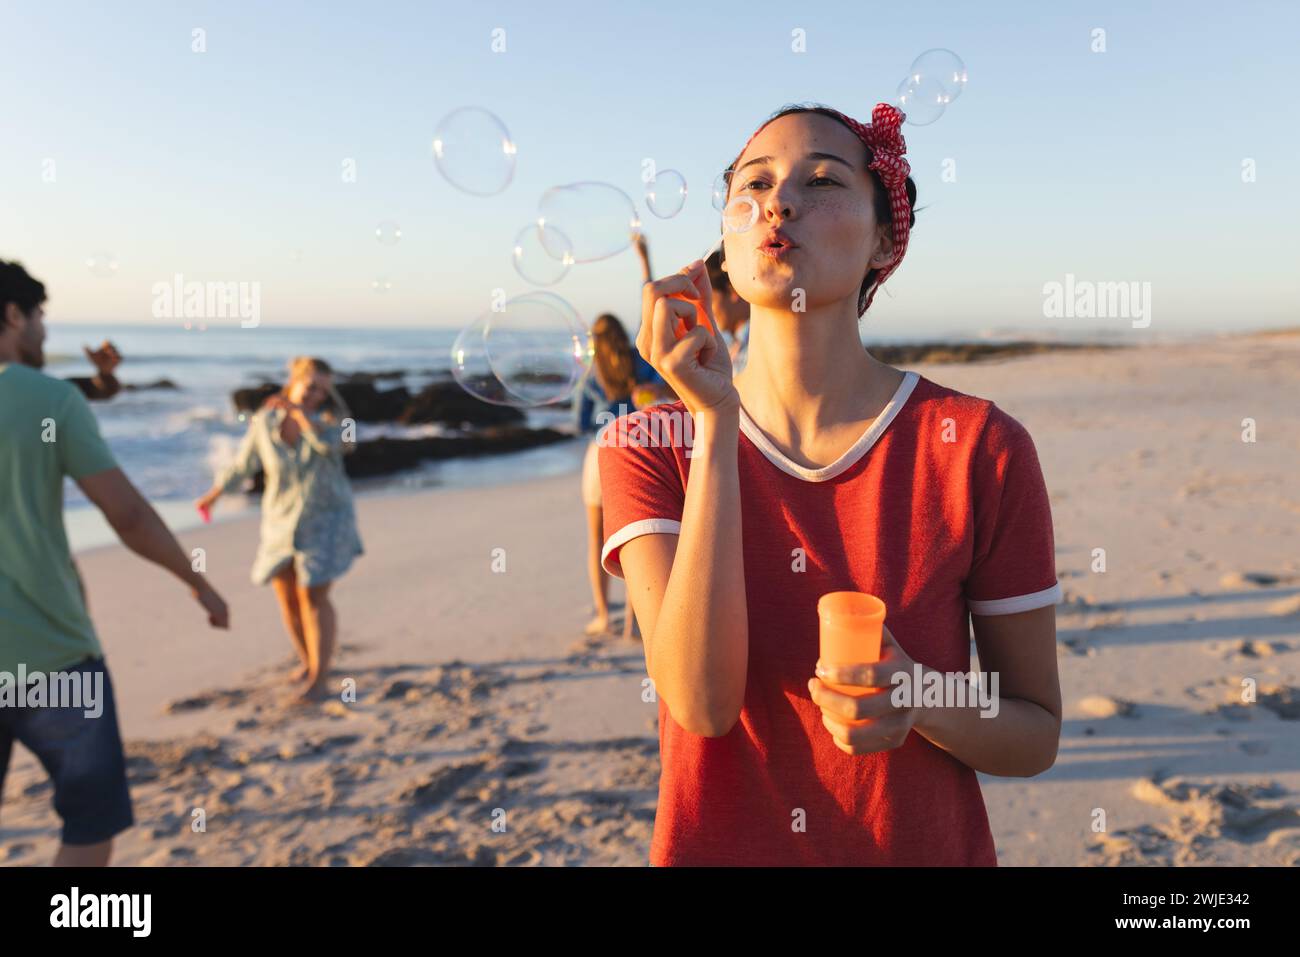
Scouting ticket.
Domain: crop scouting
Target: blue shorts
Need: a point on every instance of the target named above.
(83, 756)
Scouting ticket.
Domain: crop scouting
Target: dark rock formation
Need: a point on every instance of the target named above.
(441, 402)
(386, 456)
(368, 404)
(448, 403)
(156, 384)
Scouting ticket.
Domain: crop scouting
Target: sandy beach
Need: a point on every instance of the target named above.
(477, 700)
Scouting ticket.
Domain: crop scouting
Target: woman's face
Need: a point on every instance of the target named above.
(309, 391)
(807, 173)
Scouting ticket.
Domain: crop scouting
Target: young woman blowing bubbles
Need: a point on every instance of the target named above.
(821, 469)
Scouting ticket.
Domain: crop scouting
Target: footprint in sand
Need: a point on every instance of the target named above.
(1201, 814)
(1245, 648)
(1257, 579)
(222, 699)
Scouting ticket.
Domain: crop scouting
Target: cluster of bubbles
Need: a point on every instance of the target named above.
(935, 79)
(534, 349)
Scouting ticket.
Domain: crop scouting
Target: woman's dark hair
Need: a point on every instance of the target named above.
(18, 287)
(614, 366)
(879, 195)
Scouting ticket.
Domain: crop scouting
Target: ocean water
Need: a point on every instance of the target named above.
(170, 443)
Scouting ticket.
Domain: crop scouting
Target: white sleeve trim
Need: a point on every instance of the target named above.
(1009, 606)
(647, 526)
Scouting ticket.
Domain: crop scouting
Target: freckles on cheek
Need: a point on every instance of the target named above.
(847, 220)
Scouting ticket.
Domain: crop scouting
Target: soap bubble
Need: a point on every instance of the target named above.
(474, 152)
(597, 219)
(922, 99)
(533, 352)
(740, 215)
(721, 184)
(388, 233)
(665, 195)
(533, 262)
(945, 68)
(102, 264)
(381, 285)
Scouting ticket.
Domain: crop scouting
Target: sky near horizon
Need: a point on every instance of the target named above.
(1162, 160)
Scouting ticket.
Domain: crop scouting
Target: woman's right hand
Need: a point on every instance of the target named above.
(696, 364)
(213, 604)
(208, 499)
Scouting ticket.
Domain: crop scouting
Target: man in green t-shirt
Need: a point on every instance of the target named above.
(47, 641)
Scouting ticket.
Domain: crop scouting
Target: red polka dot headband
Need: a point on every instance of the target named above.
(883, 138)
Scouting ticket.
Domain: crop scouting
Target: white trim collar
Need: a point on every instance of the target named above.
(850, 456)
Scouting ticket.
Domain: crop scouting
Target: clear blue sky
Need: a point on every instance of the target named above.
(1123, 165)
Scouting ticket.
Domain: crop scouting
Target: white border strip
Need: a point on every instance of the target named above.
(1009, 606)
(647, 526)
(851, 456)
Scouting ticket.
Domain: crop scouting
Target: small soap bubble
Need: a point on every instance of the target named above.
(740, 214)
(945, 68)
(721, 185)
(388, 233)
(533, 261)
(921, 98)
(665, 195)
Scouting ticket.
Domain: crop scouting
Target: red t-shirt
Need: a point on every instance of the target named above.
(940, 509)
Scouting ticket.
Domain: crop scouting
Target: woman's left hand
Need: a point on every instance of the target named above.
(870, 723)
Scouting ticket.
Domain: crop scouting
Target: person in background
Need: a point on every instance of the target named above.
(47, 432)
(617, 374)
(619, 381)
(103, 384)
(309, 527)
(731, 313)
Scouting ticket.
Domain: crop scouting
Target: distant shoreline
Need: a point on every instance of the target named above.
(971, 347)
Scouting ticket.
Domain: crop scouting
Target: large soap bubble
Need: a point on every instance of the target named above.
(533, 352)
(474, 151)
(598, 221)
